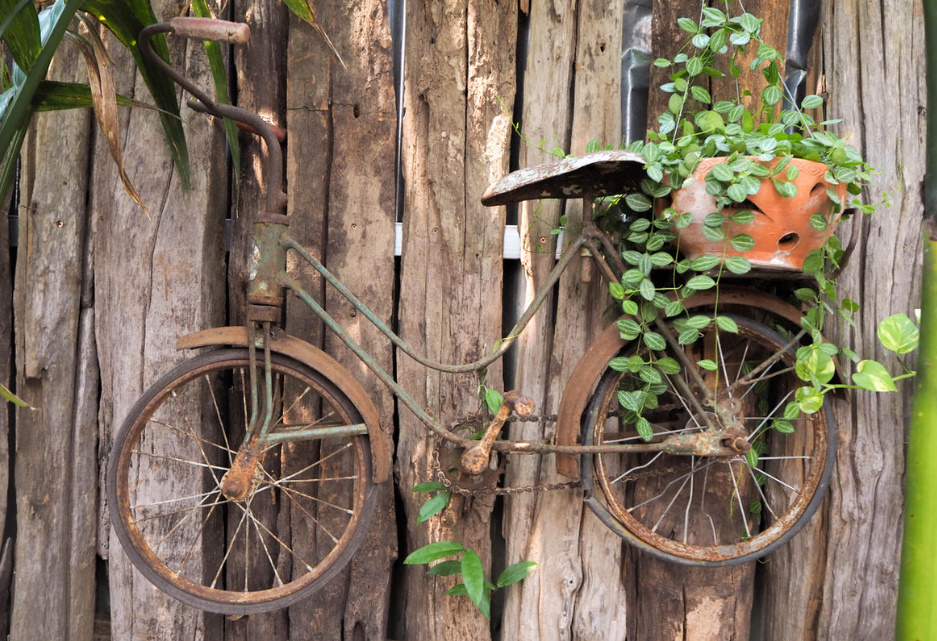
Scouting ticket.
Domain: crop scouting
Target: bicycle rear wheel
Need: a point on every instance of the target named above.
(308, 505)
(719, 508)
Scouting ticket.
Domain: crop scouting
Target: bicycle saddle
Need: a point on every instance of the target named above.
(605, 172)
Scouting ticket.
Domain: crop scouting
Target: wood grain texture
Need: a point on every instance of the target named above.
(155, 278)
(54, 481)
(459, 60)
(874, 73)
(546, 115)
(340, 175)
(577, 592)
(261, 89)
(7, 378)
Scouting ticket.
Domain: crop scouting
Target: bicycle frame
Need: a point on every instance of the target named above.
(269, 280)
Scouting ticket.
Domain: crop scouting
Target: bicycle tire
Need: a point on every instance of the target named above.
(309, 504)
(788, 486)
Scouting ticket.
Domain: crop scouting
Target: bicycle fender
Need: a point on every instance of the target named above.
(283, 343)
(582, 382)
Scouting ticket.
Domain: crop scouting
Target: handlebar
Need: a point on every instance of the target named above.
(233, 33)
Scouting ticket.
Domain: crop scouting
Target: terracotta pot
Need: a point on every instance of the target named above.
(782, 229)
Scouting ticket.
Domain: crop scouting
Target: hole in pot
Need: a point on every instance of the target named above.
(788, 241)
(819, 188)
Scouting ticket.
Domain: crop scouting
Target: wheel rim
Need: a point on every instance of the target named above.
(296, 527)
(713, 510)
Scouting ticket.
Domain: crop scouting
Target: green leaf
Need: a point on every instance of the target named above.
(493, 399)
(10, 396)
(722, 172)
(811, 102)
(715, 234)
(698, 321)
(663, 62)
(429, 486)
(675, 103)
(458, 589)
(637, 202)
(616, 290)
(220, 78)
(772, 95)
(872, 375)
(629, 307)
(473, 576)
(433, 552)
(433, 506)
(737, 192)
(514, 573)
(629, 328)
(708, 364)
(655, 341)
(751, 457)
(647, 289)
(899, 334)
(126, 20)
(809, 399)
(18, 110)
(687, 25)
(701, 282)
(20, 31)
(631, 400)
(446, 568)
(688, 337)
(738, 265)
(645, 431)
(668, 365)
(786, 189)
(742, 242)
(694, 66)
(783, 426)
(700, 94)
(726, 324)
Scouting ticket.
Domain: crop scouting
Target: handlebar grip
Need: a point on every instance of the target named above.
(211, 29)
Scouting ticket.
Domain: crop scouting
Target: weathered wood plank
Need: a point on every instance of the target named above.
(261, 89)
(458, 61)
(546, 115)
(874, 75)
(53, 525)
(156, 277)
(341, 191)
(6, 379)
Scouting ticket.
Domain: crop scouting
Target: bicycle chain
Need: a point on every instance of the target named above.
(497, 491)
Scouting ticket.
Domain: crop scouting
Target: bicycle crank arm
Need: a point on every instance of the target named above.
(475, 460)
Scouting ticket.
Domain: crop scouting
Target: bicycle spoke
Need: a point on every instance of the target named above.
(166, 457)
(780, 482)
(211, 390)
(197, 537)
(686, 513)
(758, 487)
(738, 495)
(282, 544)
(722, 361)
(263, 543)
(192, 436)
(639, 467)
(163, 515)
(224, 560)
(672, 501)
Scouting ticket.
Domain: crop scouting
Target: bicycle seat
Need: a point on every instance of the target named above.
(606, 172)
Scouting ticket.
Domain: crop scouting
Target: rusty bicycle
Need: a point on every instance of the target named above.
(244, 478)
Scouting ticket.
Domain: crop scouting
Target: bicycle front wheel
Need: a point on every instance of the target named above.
(309, 502)
(720, 507)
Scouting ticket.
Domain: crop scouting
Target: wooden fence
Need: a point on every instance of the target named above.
(103, 290)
